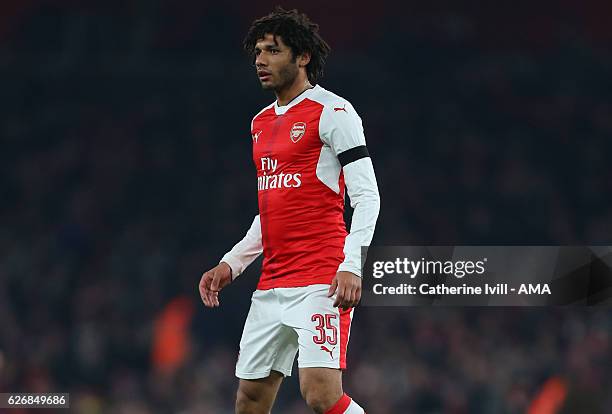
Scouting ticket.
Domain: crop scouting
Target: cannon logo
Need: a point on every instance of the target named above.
(297, 131)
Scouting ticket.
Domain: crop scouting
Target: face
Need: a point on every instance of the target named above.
(275, 65)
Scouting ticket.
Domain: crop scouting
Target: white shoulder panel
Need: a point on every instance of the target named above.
(326, 98)
(328, 169)
(340, 126)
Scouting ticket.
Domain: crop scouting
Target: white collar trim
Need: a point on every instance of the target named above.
(281, 110)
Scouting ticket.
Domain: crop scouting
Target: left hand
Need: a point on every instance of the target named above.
(348, 286)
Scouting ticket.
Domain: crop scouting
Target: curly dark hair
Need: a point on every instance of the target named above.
(298, 32)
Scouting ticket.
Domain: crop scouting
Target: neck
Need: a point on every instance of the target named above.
(287, 94)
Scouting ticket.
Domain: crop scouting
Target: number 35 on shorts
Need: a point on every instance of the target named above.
(327, 332)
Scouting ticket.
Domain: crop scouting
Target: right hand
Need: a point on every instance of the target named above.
(212, 282)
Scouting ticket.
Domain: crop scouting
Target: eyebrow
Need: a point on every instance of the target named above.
(268, 47)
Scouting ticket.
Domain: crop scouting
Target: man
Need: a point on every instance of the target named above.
(307, 146)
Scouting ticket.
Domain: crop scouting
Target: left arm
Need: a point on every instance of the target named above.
(344, 133)
(363, 193)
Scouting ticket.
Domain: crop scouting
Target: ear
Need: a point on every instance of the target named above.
(304, 59)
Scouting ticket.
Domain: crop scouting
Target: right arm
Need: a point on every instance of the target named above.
(246, 250)
(232, 264)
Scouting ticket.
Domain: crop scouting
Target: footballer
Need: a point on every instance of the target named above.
(308, 148)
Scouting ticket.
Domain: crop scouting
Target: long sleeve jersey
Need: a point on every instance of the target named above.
(306, 154)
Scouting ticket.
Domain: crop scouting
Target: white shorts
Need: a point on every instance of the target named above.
(282, 321)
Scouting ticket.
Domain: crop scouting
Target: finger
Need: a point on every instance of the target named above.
(340, 295)
(208, 296)
(203, 280)
(211, 297)
(207, 280)
(204, 299)
(202, 295)
(203, 290)
(332, 288)
(348, 300)
(351, 297)
(214, 285)
(357, 296)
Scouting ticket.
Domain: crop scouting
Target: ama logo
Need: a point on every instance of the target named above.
(538, 289)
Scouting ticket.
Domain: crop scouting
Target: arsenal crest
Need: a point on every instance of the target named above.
(297, 131)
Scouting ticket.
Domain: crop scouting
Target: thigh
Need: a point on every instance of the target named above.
(323, 331)
(259, 392)
(321, 384)
(266, 343)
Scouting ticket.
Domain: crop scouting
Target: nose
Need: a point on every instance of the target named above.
(260, 61)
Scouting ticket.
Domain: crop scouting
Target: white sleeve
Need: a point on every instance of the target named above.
(246, 250)
(363, 193)
(340, 127)
(342, 130)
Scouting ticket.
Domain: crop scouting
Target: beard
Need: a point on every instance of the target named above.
(286, 77)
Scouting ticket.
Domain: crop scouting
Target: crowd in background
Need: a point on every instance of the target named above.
(125, 172)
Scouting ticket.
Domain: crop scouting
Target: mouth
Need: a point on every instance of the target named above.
(264, 76)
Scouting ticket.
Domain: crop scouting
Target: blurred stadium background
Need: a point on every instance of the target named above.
(126, 173)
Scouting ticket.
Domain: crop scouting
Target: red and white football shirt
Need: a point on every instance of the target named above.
(305, 153)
